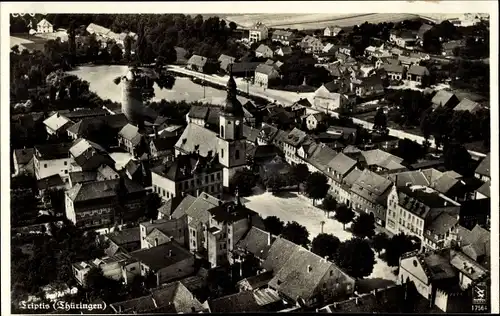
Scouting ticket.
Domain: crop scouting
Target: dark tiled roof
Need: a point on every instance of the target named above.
(101, 189)
(116, 122)
(250, 133)
(256, 241)
(485, 189)
(161, 256)
(50, 182)
(125, 236)
(371, 186)
(131, 133)
(467, 105)
(393, 68)
(341, 164)
(259, 280)
(279, 253)
(199, 112)
(184, 166)
(85, 113)
(230, 212)
(82, 176)
(418, 70)
(296, 137)
(195, 135)
(266, 69)
(53, 151)
(23, 156)
(169, 206)
(198, 210)
(484, 166)
(442, 97)
(235, 303)
(181, 208)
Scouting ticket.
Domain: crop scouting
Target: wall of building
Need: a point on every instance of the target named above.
(164, 187)
(335, 283)
(408, 270)
(47, 168)
(130, 271)
(441, 300)
(261, 79)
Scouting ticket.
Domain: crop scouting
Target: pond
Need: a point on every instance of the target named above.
(101, 82)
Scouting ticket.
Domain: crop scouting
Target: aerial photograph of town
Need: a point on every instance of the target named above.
(228, 163)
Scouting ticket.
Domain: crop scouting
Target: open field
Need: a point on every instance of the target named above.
(317, 21)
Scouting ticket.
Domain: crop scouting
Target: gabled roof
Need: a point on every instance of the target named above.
(484, 166)
(442, 97)
(116, 122)
(89, 191)
(164, 143)
(485, 189)
(467, 105)
(50, 182)
(177, 204)
(57, 121)
(256, 241)
(279, 253)
(195, 136)
(352, 177)
(199, 112)
(263, 49)
(341, 164)
(418, 70)
(377, 157)
(171, 298)
(82, 176)
(197, 60)
(125, 236)
(296, 137)
(162, 256)
(235, 303)
(478, 237)
(131, 133)
(302, 274)
(185, 166)
(44, 22)
(371, 186)
(282, 33)
(393, 68)
(97, 29)
(53, 151)
(23, 156)
(266, 69)
(197, 210)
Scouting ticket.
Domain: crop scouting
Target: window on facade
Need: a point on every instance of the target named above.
(212, 177)
(45, 165)
(194, 233)
(65, 163)
(163, 192)
(222, 131)
(225, 246)
(222, 152)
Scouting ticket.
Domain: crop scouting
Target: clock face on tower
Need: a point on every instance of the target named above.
(237, 122)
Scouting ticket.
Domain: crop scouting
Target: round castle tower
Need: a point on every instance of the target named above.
(132, 105)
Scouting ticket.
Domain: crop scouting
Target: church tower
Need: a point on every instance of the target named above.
(231, 143)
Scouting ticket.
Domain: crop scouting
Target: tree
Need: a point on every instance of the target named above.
(380, 242)
(153, 203)
(409, 150)
(232, 26)
(356, 257)
(300, 173)
(344, 214)
(127, 44)
(274, 225)
(380, 120)
(363, 226)
(275, 181)
(317, 186)
(398, 245)
(244, 181)
(325, 245)
(116, 53)
(329, 204)
(168, 53)
(296, 233)
(457, 158)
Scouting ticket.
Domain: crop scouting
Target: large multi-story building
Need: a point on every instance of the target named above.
(422, 212)
(53, 159)
(191, 174)
(102, 203)
(258, 32)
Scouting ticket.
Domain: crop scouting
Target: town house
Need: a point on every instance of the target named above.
(228, 222)
(311, 44)
(417, 73)
(394, 72)
(89, 156)
(167, 262)
(282, 36)
(367, 87)
(468, 105)
(444, 98)
(283, 51)
(403, 38)
(57, 124)
(122, 240)
(119, 267)
(482, 171)
(102, 203)
(112, 122)
(163, 147)
(327, 98)
(369, 195)
(44, 26)
(381, 162)
(292, 143)
(158, 232)
(265, 73)
(258, 32)
(49, 160)
(225, 62)
(443, 277)
(130, 139)
(202, 64)
(316, 156)
(313, 121)
(191, 174)
(332, 31)
(304, 278)
(422, 212)
(264, 51)
(337, 170)
(23, 161)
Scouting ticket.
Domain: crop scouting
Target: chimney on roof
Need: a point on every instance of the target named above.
(268, 238)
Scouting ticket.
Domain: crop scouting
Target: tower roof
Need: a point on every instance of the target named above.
(232, 106)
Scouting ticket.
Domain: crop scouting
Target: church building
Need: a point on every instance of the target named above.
(228, 143)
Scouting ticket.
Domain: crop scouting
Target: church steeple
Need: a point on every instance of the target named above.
(232, 106)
